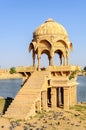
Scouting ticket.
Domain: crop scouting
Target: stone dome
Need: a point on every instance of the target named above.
(50, 27)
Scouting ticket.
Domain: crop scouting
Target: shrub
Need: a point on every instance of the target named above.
(12, 70)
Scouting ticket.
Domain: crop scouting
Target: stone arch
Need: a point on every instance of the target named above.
(46, 60)
(62, 43)
(31, 47)
(45, 44)
(60, 55)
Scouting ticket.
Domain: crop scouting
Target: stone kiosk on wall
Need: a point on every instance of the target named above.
(51, 87)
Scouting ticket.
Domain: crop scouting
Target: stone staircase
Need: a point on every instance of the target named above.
(23, 106)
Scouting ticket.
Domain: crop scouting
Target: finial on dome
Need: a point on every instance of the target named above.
(49, 20)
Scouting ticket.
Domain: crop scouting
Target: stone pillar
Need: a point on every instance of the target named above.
(38, 63)
(62, 101)
(67, 61)
(39, 57)
(74, 94)
(64, 60)
(60, 59)
(38, 106)
(44, 100)
(49, 60)
(33, 59)
(53, 97)
(52, 61)
(66, 98)
(58, 97)
(52, 56)
(70, 96)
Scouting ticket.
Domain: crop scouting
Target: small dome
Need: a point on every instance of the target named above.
(50, 27)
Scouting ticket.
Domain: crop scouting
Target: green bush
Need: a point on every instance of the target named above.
(85, 68)
(12, 70)
(73, 74)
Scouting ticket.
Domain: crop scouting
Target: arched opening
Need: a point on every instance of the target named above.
(58, 57)
(44, 62)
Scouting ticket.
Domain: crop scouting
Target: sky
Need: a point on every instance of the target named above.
(20, 18)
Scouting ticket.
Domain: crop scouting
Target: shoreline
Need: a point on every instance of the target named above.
(4, 76)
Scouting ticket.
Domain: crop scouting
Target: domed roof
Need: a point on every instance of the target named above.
(50, 27)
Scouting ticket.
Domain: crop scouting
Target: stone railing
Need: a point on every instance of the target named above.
(63, 68)
(25, 69)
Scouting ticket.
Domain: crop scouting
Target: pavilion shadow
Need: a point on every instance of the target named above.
(8, 101)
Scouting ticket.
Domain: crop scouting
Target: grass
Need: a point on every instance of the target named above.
(80, 108)
(40, 114)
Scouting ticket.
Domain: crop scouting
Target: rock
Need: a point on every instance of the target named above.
(35, 122)
(11, 128)
(64, 118)
(2, 126)
(45, 121)
(80, 121)
(72, 123)
(18, 124)
(77, 114)
(38, 128)
(68, 122)
(55, 116)
(26, 128)
(51, 124)
(61, 113)
(58, 123)
(43, 126)
(77, 125)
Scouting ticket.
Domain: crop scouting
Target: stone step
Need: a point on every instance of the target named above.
(24, 103)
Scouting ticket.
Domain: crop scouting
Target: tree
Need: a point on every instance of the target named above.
(85, 68)
(12, 70)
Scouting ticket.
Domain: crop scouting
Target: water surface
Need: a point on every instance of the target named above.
(10, 87)
(81, 89)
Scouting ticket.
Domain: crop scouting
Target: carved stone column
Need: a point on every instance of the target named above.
(33, 59)
(66, 98)
(70, 96)
(44, 100)
(52, 57)
(64, 60)
(67, 55)
(60, 59)
(52, 61)
(39, 57)
(53, 97)
(49, 60)
(74, 95)
(39, 63)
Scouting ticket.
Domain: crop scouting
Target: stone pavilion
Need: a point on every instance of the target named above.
(51, 87)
